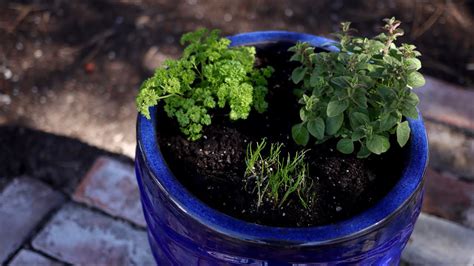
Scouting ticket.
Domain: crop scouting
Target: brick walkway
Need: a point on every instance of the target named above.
(101, 221)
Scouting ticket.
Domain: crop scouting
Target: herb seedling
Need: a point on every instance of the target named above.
(360, 94)
(209, 74)
(274, 178)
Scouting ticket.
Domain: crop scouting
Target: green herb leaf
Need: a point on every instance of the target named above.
(300, 134)
(298, 74)
(412, 63)
(345, 146)
(315, 79)
(357, 135)
(415, 80)
(316, 128)
(340, 82)
(333, 124)
(387, 121)
(358, 119)
(360, 99)
(336, 107)
(410, 111)
(412, 99)
(378, 144)
(362, 92)
(403, 133)
(295, 57)
(363, 152)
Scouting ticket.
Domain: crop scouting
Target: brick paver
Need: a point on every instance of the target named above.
(78, 235)
(23, 204)
(451, 150)
(449, 197)
(111, 186)
(436, 241)
(447, 103)
(27, 257)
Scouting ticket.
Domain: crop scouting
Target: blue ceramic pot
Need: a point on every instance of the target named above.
(184, 231)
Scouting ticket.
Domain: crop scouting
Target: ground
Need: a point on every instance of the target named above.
(62, 74)
(69, 71)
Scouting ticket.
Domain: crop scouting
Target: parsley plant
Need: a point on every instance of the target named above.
(209, 74)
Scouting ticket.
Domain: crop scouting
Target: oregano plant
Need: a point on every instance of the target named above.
(209, 75)
(360, 94)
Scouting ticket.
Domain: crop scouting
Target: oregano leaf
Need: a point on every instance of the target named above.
(295, 57)
(340, 82)
(410, 111)
(298, 74)
(378, 144)
(363, 152)
(303, 114)
(300, 134)
(336, 107)
(403, 133)
(315, 79)
(360, 99)
(387, 121)
(412, 63)
(412, 99)
(415, 79)
(345, 146)
(358, 119)
(333, 124)
(357, 135)
(316, 128)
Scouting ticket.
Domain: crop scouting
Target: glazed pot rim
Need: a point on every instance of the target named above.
(365, 222)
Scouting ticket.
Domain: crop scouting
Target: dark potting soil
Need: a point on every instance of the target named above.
(213, 167)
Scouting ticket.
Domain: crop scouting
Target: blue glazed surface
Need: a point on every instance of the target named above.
(184, 231)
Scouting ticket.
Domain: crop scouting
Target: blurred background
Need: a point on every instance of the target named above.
(70, 70)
